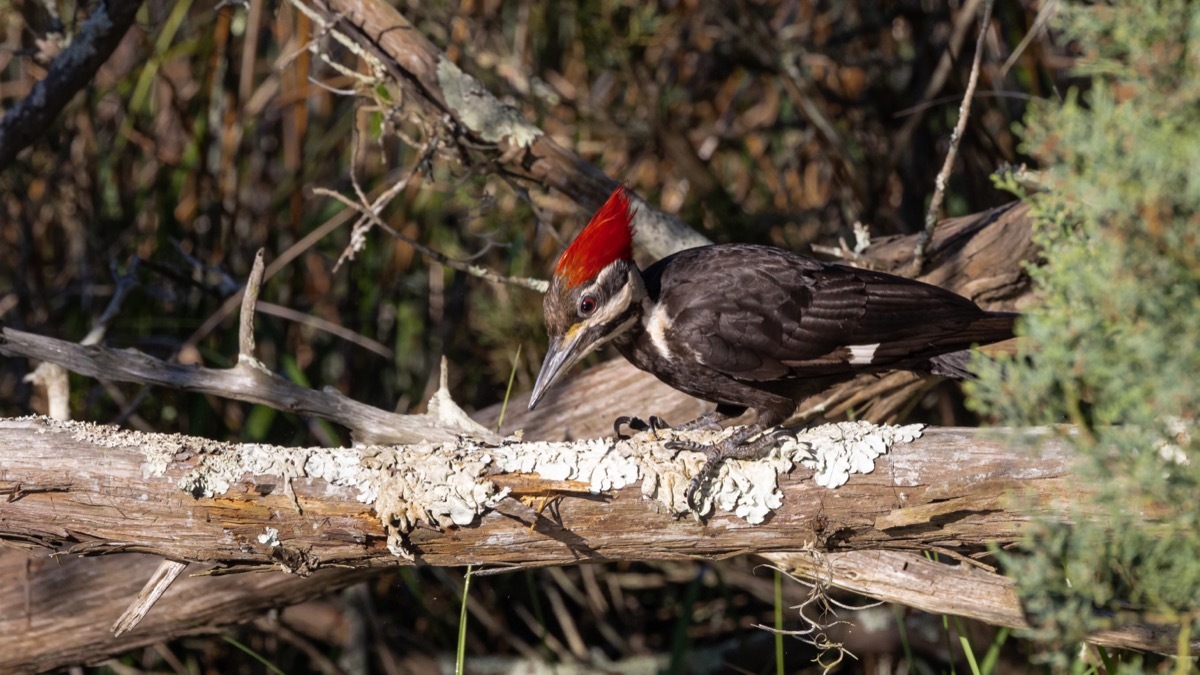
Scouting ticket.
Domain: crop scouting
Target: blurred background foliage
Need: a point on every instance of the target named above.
(779, 122)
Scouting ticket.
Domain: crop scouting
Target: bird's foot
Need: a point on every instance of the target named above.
(708, 422)
(638, 424)
(736, 446)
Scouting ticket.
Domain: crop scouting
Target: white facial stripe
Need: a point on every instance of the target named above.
(604, 340)
(862, 355)
(616, 306)
(656, 326)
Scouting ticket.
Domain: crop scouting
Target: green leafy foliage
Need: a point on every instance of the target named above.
(1115, 341)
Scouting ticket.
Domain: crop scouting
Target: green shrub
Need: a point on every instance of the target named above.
(1115, 340)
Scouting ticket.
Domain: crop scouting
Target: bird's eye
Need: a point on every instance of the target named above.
(587, 305)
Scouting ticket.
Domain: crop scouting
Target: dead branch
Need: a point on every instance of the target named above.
(484, 130)
(245, 381)
(58, 610)
(70, 72)
(960, 127)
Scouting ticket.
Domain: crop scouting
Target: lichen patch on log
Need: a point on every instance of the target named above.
(439, 485)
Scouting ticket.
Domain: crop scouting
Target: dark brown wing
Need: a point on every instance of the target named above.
(760, 313)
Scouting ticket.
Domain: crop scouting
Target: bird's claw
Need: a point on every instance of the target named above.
(733, 447)
(711, 463)
(638, 424)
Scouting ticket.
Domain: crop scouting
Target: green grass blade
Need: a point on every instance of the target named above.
(512, 375)
(993, 653)
(254, 655)
(898, 611)
(779, 623)
(966, 646)
(461, 650)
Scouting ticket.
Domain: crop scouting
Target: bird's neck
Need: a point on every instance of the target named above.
(631, 343)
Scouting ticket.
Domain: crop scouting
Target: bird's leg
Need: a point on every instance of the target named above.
(709, 421)
(736, 446)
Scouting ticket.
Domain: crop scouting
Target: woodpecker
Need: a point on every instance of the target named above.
(747, 326)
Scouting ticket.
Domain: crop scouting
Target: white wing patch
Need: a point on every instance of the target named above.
(656, 326)
(862, 355)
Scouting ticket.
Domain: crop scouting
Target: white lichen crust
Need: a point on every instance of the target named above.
(750, 489)
(446, 484)
(480, 111)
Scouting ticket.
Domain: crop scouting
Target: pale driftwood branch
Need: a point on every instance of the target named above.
(953, 491)
(245, 381)
(962, 590)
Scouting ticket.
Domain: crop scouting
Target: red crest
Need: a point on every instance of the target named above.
(608, 237)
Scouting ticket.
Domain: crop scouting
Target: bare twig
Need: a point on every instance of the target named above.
(538, 285)
(964, 111)
(53, 377)
(249, 300)
(242, 383)
(1045, 13)
(326, 326)
(936, 82)
(166, 574)
(369, 210)
(282, 260)
(436, 91)
(126, 282)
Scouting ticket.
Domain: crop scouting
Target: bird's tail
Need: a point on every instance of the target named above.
(992, 327)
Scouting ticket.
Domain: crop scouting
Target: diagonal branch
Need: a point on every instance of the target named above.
(964, 112)
(484, 130)
(71, 71)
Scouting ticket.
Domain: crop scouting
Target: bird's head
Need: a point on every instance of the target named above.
(596, 291)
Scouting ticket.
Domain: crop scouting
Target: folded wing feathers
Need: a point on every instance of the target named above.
(780, 316)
